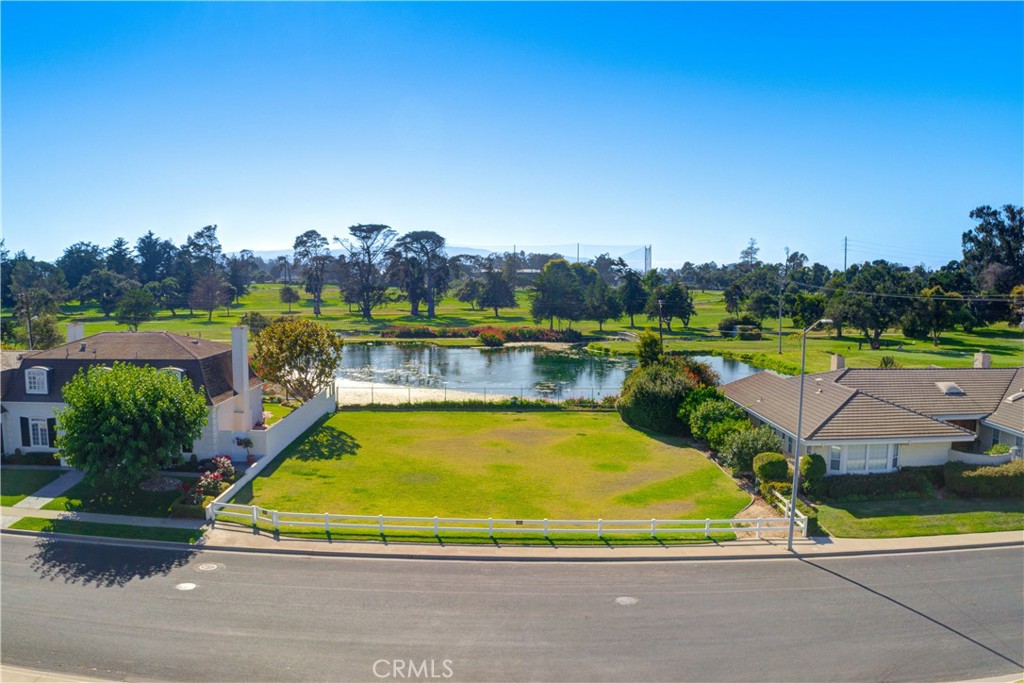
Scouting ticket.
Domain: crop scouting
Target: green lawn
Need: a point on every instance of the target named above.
(82, 498)
(920, 517)
(277, 412)
(69, 526)
(15, 485)
(501, 465)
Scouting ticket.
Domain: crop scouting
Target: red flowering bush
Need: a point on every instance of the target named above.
(224, 466)
(209, 483)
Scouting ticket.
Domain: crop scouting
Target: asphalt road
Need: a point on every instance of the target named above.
(119, 613)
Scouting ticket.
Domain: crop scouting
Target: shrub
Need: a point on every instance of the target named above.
(902, 484)
(729, 323)
(786, 488)
(721, 431)
(710, 412)
(694, 400)
(812, 475)
(998, 449)
(741, 447)
(492, 338)
(986, 481)
(748, 333)
(771, 466)
(651, 397)
(209, 483)
(224, 466)
(933, 473)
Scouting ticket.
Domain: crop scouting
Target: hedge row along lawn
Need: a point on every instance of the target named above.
(70, 526)
(1003, 341)
(500, 465)
(16, 485)
(920, 517)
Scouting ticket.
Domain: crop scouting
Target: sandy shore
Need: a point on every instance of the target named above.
(356, 393)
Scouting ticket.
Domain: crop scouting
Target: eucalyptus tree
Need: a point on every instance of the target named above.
(367, 248)
(312, 251)
(557, 293)
(425, 252)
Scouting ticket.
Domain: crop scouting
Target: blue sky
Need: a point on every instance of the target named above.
(692, 127)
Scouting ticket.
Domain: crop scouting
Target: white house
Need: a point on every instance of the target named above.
(879, 420)
(31, 391)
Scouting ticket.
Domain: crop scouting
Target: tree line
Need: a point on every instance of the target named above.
(373, 265)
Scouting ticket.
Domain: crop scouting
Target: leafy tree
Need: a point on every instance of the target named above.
(366, 251)
(935, 312)
(45, 333)
(240, 272)
(496, 292)
(123, 424)
(807, 309)
(610, 269)
(185, 274)
(557, 293)
(257, 322)
(119, 259)
(204, 251)
(428, 250)
(289, 296)
(282, 265)
(37, 288)
(404, 270)
(676, 302)
(298, 354)
(79, 260)
(869, 303)
(106, 288)
(762, 305)
(601, 302)
(208, 293)
(648, 349)
(734, 298)
(166, 293)
(994, 248)
(468, 291)
(136, 307)
(749, 255)
(633, 294)
(311, 250)
(155, 258)
(651, 396)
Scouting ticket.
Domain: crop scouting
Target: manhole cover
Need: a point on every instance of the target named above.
(208, 567)
(626, 600)
(185, 586)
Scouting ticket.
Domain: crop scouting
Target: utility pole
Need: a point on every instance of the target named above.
(845, 246)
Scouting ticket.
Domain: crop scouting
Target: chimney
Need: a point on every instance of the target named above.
(76, 331)
(240, 375)
(982, 360)
(838, 361)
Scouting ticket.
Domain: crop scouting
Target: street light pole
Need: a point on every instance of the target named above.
(799, 432)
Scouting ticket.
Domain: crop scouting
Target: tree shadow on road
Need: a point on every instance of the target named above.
(104, 565)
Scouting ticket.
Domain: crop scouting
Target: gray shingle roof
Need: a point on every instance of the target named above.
(1010, 414)
(917, 388)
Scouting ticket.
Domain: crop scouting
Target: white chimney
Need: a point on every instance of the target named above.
(982, 360)
(76, 331)
(240, 375)
(838, 361)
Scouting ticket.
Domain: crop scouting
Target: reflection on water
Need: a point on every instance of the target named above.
(526, 372)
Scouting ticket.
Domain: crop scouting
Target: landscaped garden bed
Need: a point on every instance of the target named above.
(564, 465)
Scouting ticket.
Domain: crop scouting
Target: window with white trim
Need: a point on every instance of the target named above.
(39, 435)
(895, 455)
(835, 458)
(878, 457)
(36, 381)
(856, 458)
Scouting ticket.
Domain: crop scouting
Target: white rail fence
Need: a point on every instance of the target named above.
(383, 524)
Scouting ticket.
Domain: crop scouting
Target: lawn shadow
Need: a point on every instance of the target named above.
(103, 565)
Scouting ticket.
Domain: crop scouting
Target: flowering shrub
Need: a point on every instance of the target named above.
(224, 467)
(193, 496)
(209, 483)
(492, 338)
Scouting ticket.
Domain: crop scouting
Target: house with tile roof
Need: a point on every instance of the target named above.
(879, 420)
(30, 394)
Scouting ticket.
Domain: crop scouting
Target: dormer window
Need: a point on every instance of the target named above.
(37, 381)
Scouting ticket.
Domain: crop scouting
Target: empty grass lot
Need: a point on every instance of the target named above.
(920, 517)
(501, 465)
(16, 485)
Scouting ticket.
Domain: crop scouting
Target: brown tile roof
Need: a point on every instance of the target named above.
(833, 412)
(1010, 414)
(916, 388)
(206, 363)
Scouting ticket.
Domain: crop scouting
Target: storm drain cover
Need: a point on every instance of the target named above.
(185, 586)
(208, 567)
(626, 600)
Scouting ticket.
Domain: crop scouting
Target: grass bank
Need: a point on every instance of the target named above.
(69, 526)
(920, 517)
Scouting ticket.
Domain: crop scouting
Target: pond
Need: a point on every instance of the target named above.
(524, 372)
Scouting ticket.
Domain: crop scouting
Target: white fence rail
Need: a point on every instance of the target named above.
(382, 524)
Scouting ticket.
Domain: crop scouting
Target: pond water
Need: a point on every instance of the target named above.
(526, 372)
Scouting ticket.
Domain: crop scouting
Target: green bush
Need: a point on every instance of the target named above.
(740, 447)
(727, 324)
(32, 458)
(709, 413)
(998, 449)
(771, 466)
(902, 484)
(812, 475)
(933, 473)
(986, 481)
(694, 400)
(786, 489)
(721, 431)
(651, 397)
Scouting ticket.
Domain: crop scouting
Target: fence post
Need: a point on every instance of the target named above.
(327, 522)
(435, 525)
(371, 394)
(255, 515)
(707, 526)
(600, 525)
(274, 516)
(410, 394)
(545, 527)
(490, 527)
(652, 528)
(758, 536)
(380, 524)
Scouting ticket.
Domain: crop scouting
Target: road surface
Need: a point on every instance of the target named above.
(124, 613)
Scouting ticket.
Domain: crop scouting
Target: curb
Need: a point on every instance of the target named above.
(348, 554)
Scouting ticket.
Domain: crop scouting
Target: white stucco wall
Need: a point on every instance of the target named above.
(921, 454)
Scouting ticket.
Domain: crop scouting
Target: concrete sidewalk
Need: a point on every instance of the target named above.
(55, 488)
(10, 515)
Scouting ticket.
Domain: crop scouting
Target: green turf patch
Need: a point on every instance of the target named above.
(503, 465)
(70, 526)
(83, 498)
(277, 412)
(16, 485)
(920, 517)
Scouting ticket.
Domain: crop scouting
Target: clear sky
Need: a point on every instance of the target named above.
(692, 127)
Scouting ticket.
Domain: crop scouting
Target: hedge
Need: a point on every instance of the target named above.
(741, 447)
(902, 484)
(770, 466)
(986, 481)
(812, 475)
(651, 397)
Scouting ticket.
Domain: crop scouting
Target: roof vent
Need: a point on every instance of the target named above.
(195, 341)
(1015, 397)
(81, 346)
(950, 388)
